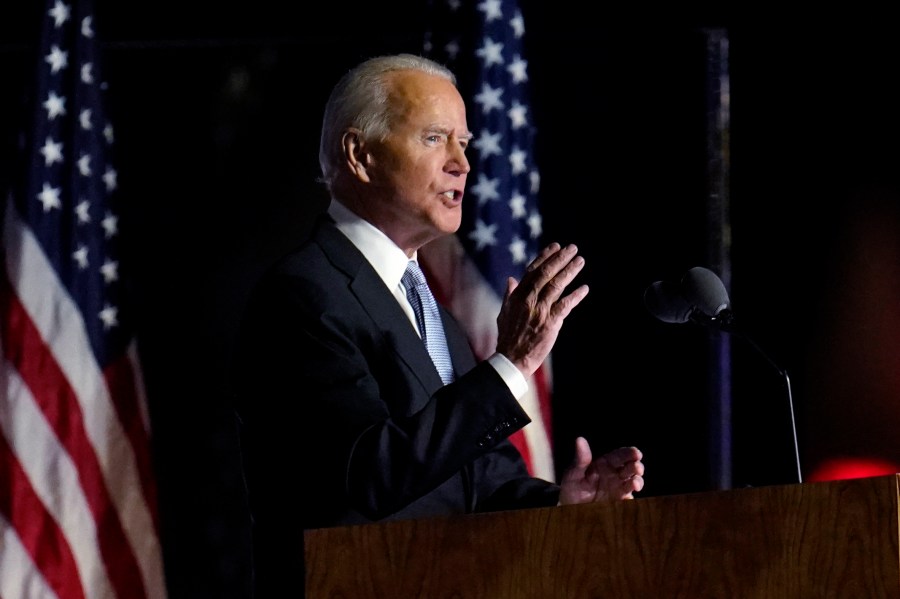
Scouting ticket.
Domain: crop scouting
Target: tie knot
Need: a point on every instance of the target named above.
(413, 277)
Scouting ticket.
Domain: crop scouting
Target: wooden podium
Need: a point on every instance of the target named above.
(812, 540)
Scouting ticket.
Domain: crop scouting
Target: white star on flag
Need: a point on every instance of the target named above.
(501, 228)
(78, 510)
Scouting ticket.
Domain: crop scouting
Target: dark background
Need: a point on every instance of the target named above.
(217, 113)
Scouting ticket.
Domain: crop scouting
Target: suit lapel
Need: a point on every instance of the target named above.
(381, 305)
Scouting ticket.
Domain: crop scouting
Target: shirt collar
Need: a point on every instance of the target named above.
(388, 260)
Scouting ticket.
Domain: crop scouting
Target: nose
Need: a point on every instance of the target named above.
(458, 163)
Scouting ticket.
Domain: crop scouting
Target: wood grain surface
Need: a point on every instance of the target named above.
(835, 539)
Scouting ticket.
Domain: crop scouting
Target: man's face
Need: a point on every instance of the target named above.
(418, 172)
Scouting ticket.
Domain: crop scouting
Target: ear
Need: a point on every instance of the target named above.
(355, 154)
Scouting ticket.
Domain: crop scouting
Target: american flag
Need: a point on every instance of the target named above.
(77, 495)
(482, 42)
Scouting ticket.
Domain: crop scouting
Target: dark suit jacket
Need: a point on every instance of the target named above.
(344, 417)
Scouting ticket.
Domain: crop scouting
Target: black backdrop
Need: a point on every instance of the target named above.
(217, 114)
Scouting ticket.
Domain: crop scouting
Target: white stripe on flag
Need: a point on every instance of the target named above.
(53, 477)
(61, 326)
(18, 575)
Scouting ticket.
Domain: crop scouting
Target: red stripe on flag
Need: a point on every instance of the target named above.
(33, 523)
(520, 443)
(27, 352)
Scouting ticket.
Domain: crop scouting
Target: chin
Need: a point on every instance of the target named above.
(451, 226)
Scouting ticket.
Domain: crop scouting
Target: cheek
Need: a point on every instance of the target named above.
(409, 172)
(385, 160)
(415, 174)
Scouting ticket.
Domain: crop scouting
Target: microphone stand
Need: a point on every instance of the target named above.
(724, 321)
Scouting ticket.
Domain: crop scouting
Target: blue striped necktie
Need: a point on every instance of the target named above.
(430, 326)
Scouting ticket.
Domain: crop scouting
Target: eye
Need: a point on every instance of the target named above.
(436, 138)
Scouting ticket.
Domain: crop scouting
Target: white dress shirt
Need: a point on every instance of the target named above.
(389, 261)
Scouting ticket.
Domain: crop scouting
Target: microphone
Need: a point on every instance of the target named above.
(700, 297)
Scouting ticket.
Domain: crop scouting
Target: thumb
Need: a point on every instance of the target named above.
(511, 284)
(583, 454)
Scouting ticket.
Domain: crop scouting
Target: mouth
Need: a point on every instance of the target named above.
(452, 195)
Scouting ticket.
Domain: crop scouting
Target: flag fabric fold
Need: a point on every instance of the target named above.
(77, 492)
(483, 43)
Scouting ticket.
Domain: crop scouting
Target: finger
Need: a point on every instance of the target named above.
(564, 305)
(629, 469)
(549, 262)
(556, 283)
(635, 468)
(631, 486)
(632, 476)
(623, 455)
(621, 464)
(637, 483)
(548, 251)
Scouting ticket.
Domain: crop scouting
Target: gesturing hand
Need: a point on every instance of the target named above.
(613, 476)
(534, 308)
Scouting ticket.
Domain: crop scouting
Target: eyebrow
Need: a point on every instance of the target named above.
(468, 135)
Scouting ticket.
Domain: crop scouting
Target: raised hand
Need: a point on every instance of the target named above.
(534, 308)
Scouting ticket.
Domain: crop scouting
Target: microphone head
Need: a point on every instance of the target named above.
(705, 291)
(699, 297)
(664, 301)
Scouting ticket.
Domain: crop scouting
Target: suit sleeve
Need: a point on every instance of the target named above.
(330, 398)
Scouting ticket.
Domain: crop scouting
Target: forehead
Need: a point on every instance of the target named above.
(420, 98)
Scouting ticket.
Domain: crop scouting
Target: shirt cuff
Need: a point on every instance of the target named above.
(511, 375)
